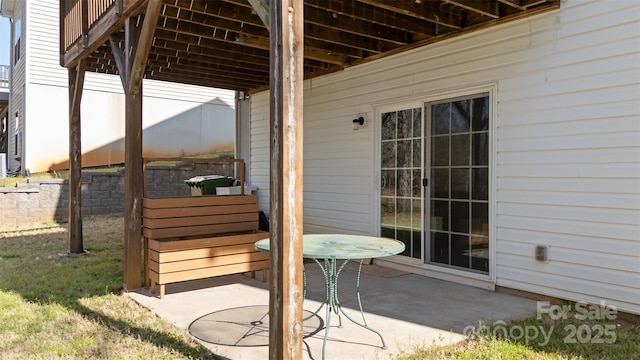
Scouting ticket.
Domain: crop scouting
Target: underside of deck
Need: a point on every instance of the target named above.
(225, 43)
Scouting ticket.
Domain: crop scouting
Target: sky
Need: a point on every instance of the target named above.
(5, 33)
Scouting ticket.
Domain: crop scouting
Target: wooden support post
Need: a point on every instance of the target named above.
(137, 45)
(286, 77)
(76, 84)
(119, 7)
(133, 183)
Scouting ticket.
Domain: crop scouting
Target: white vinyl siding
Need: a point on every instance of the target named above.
(259, 144)
(337, 183)
(45, 69)
(43, 48)
(190, 93)
(566, 161)
(178, 118)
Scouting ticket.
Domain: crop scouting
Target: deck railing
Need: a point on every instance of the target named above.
(79, 15)
(4, 76)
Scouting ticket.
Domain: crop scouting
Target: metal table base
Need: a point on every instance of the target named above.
(326, 250)
(331, 272)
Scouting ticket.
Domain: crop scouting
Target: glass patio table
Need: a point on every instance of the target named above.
(327, 250)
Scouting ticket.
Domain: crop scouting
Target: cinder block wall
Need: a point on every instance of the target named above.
(38, 200)
(42, 200)
(168, 181)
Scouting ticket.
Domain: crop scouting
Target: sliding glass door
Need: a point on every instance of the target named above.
(434, 186)
(458, 197)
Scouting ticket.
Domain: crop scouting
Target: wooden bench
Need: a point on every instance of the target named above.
(199, 237)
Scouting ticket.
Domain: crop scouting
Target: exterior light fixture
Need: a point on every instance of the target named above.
(357, 123)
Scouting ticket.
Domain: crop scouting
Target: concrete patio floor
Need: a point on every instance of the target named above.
(229, 314)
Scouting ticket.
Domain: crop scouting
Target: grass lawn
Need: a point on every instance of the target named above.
(54, 305)
(59, 306)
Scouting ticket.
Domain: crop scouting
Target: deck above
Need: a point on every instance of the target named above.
(225, 44)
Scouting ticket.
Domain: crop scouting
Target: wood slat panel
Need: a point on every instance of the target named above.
(198, 201)
(97, 8)
(208, 272)
(210, 262)
(165, 257)
(181, 222)
(198, 211)
(199, 230)
(72, 22)
(177, 245)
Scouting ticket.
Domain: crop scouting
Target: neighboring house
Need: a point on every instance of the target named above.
(4, 109)
(177, 119)
(543, 119)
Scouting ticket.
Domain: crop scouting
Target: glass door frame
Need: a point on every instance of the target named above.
(467, 198)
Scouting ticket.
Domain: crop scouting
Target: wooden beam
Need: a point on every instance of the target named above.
(513, 3)
(119, 58)
(286, 82)
(186, 76)
(76, 84)
(467, 30)
(339, 22)
(369, 13)
(228, 54)
(262, 9)
(143, 46)
(250, 35)
(531, 3)
(313, 54)
(413, 9)
(486, 8)
(206, 64)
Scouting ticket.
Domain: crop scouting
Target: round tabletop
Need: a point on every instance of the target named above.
(343, 246)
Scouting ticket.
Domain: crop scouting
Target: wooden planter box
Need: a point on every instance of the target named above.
(199, 237)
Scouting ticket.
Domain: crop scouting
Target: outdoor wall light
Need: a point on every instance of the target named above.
(357, 123)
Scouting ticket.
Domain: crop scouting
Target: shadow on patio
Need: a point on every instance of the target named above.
(227, 313)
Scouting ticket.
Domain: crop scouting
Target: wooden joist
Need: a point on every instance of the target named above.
(337, 34)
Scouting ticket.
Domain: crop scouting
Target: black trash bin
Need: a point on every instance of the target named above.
(207, 184)
(263, 221)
